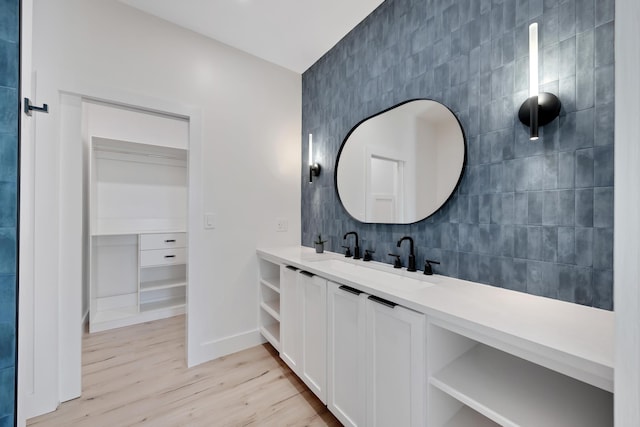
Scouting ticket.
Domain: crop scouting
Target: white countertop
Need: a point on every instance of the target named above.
(572, 339)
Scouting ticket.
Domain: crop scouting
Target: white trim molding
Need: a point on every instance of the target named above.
(627, 213)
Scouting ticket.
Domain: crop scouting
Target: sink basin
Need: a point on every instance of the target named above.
(374, 274)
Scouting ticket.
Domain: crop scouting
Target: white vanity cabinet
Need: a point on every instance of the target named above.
(313, 301)
(303, 322)
(290, 315)
(376, 360)
(396, 389)
(347, 368)
(450, 353)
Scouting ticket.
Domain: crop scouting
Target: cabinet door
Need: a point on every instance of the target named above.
(290, 315)
(314, 333)
(396, 389)
(346, 378)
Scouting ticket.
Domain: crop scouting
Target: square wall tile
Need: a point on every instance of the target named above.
(7, 392)
(8, 298)
(8, 347)
(9, 63)
(9, 19)
(8, 157)
(8, 250)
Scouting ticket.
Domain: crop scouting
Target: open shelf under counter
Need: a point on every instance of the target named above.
(272, 334)
(272, 307)
(467, 417)
(272, 283)
(514, 392)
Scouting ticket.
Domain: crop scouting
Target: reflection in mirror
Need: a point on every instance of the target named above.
(402, 165)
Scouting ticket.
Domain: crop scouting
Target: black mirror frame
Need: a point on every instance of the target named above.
(453, 191)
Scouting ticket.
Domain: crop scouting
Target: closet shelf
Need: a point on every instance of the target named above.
(120, 226)
(163, 304)
(115, 314)
(131, 148)
(154, 285)
(514, 392)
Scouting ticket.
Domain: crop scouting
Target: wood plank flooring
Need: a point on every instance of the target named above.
(138, 376)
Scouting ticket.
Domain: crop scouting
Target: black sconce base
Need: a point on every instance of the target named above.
(548, 109)
(314, 170)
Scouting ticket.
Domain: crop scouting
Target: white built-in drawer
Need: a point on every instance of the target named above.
(163, 241)
(162, 257)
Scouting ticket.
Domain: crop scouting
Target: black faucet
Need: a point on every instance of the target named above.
(427, 267)
(367, 255)
(347, 253)
(396, 262)
(412, 256)
(356, 250)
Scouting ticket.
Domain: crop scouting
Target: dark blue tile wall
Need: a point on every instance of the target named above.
(9, 110)
(536, 217)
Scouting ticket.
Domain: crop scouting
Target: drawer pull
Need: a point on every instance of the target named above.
(350, 290)
(290, 267)
(170, 241)
(382, 301)
(306, 273)
(169, 256)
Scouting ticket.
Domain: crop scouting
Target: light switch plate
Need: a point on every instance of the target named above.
(282, 225)
(209, 221)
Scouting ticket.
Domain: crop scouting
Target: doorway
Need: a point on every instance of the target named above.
(48, 378)
(383, 193)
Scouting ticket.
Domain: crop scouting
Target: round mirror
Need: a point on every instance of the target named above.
(401, 165)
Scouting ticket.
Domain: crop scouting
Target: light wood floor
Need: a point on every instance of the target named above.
(138, 376)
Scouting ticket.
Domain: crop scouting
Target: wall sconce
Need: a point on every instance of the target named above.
(314, 168)
(541, 107)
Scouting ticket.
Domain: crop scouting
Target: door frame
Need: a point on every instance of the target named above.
(49, 355)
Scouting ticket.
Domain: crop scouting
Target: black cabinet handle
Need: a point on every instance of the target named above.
(291, 267)
(170, 241)
(306, 273)
(350, 290)
(382, 301)
(169, 256)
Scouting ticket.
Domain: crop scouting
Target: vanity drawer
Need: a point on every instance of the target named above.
(162, 257)
(163, 241)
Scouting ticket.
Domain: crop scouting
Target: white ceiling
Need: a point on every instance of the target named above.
(290, 33)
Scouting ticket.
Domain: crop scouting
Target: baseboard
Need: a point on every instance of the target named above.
(85, 321)
(213, 349)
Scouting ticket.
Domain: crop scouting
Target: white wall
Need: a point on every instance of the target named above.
(249, 159)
